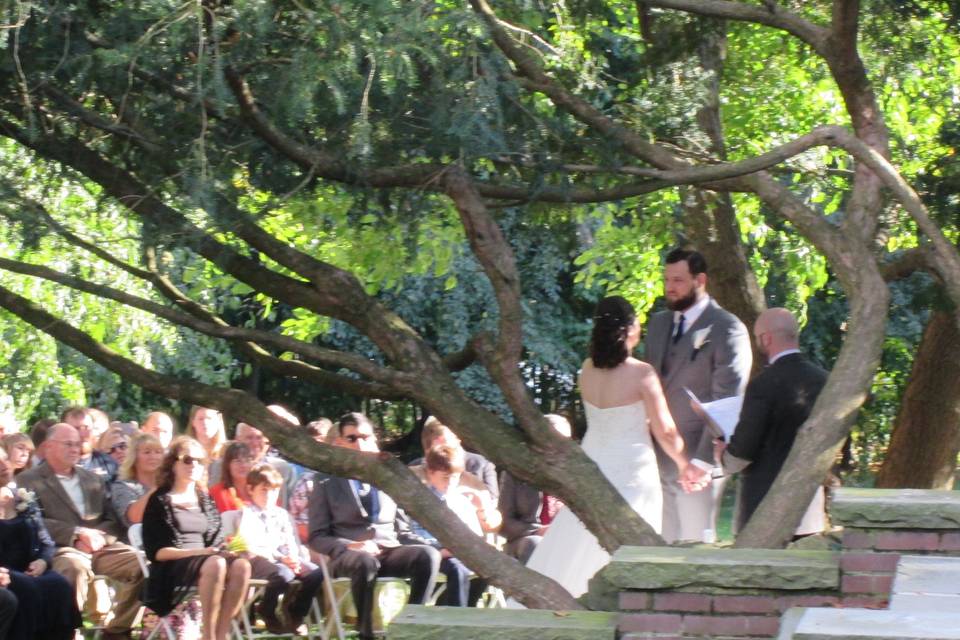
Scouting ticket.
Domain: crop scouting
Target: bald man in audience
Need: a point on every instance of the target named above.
(82, 524)
(777, 402)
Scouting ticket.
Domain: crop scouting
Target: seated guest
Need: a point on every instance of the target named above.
(527, 512)
(363, 531)
(478, 468)
(159, 424)
(182, 537)
(231, 493)
(114, 443)
(38, 433)
(259, 448)
(91, 459)
(319, 428)
(19, 448)
(138, 477)
(278, 556)
(8, 604)
(206, 427)
(78, 516)
(299, 497)
(444, 467)
(47, 607)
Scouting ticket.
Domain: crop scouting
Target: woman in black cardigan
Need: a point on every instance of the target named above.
(47, 604)
(182, 538)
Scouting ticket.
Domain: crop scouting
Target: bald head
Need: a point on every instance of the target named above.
(776, 330)
(62, 448)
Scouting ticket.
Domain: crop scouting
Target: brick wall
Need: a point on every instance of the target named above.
(874, 537)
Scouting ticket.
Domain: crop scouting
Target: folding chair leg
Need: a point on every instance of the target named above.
(334, 623)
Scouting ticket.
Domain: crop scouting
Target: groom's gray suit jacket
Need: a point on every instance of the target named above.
(713, 360)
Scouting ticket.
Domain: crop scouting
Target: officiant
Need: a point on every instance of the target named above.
(777, 402)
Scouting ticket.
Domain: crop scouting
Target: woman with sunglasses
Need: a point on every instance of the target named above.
(182, 538)
(232, 493)
(137, 478)
(114, 443)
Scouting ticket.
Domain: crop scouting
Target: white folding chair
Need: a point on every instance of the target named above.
(230, 522)
(135, 536)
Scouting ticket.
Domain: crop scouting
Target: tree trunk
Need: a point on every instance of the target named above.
(710, 219)
(926, 436)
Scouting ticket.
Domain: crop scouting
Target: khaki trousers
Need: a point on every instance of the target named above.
(118, 562)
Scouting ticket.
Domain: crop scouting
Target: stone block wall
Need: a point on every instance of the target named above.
(728, 594)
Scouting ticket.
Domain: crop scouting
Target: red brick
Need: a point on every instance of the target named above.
(731, 625)
(950, 542)
(857, 539)
(864, 602)
(681, 602)
(634, 600)
(745, 604)
(907, 541)
(789, 602)
(869, 561)
(657, 622)
(854, 583)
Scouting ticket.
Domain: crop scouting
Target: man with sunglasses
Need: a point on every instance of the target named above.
(81, 522)
(363, 531)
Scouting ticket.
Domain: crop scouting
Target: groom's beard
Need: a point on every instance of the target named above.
(684, 303)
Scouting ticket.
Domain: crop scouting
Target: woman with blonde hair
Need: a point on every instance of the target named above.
(137, 478)
(19, 448)
(206, 427)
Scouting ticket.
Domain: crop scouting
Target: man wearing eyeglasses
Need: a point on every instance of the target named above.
(363, 531)
(92, 459)
(83, 526)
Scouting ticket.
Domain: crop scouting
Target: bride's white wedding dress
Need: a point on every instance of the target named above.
(618, 440)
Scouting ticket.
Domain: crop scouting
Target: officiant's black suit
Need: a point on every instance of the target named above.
(777, 403)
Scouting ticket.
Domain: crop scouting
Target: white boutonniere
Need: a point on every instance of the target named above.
(26, 500)
(701, 338)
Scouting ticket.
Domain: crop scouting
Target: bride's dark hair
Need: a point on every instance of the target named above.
(611, 322)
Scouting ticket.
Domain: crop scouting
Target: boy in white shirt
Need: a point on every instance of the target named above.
(276, 553)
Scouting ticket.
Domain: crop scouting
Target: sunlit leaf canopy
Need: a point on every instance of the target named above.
(393, 84)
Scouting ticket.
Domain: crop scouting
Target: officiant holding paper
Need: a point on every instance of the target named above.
(777, 402)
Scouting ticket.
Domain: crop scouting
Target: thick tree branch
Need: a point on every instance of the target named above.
(98, 121)
(530, 67)
(770, 14)
(379, 469)
(390, 381)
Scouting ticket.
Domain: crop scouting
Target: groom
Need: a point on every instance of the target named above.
(699, 346)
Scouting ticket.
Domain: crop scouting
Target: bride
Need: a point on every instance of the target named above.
(624, 403)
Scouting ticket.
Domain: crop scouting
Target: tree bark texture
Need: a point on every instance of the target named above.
(926, 436)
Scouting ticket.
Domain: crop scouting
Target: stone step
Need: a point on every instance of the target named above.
(869, 624)
(693, 568)
(926, 584)
(417, 622)
(895, 508)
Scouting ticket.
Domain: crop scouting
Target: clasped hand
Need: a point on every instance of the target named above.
(693, 479)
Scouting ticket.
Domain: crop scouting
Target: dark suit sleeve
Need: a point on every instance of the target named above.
(513, 527)
(755, 419)
(320, 521)
(44, 543)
